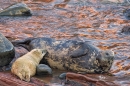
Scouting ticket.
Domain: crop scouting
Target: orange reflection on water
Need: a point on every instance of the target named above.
(72, 19)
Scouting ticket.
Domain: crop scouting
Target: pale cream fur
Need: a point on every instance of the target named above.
(25, 66)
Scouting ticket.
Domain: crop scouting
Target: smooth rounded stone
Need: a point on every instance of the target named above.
(7, 52)
(18, 9)
(43, 69)
(62, 76)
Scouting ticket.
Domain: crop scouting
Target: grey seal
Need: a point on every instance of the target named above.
(71, 55)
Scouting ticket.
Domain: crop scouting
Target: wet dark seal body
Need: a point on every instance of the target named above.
(72, 55)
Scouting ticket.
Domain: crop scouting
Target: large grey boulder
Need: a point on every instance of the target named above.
(18, 9)
(7, 52)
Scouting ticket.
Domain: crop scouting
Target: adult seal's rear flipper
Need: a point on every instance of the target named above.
(24, 43)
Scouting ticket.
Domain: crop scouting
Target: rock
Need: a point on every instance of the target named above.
(62, 76)
(126, 13)
(19, 9)
(43, 69)
(126, 30)
(19, 51)
(7, 52)
(8, 79)
(89, 80)
(113, 1)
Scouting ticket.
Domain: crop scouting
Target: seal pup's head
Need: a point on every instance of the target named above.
(39, 53)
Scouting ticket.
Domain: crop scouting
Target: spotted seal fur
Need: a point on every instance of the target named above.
(71, 55)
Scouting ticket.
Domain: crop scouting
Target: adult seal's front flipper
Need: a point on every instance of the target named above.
(83, 50)
(79, 51)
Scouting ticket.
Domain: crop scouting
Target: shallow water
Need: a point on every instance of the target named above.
(52, 79)
(86, 20)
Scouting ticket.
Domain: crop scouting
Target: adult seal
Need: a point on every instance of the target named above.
(71, 55)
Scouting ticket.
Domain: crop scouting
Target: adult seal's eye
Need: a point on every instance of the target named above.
(107, 54)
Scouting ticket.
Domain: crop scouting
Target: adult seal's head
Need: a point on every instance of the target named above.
(105, 61)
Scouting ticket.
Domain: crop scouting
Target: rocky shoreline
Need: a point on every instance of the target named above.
(114, 22)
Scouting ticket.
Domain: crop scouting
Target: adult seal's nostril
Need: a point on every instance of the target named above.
(44, 51)
(107, 54)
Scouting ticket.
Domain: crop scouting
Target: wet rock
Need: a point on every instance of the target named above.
(127, 14)
(62, 76)
(89, 80)
(126, 30)
(19, 51)
(8, 79)
(19, 9)
(113, 1)
(43, 69)
(6, 51)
